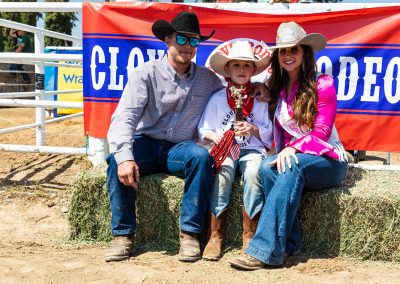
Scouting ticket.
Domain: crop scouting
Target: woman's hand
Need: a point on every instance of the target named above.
(261, 92)
(283, 156)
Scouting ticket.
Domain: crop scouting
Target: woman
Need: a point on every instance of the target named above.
(310, 153)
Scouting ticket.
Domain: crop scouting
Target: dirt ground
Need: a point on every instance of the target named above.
(34, 228)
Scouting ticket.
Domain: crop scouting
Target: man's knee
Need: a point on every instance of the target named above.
(200, 155)
(112, 165)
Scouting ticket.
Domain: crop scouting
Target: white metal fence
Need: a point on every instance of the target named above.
(40, 59)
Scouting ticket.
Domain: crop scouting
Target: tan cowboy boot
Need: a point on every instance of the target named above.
(249, 228)
(246, 262)
(189, 247)
(120, 249)
(212, 250)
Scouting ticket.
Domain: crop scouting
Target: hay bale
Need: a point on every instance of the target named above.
(89, 207)
(360, 218)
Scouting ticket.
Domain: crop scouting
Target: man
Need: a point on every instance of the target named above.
(153, 130)
(23, 45)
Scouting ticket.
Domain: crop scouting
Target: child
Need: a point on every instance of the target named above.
(255, 137)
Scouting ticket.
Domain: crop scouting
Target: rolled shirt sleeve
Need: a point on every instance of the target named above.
(126, 118)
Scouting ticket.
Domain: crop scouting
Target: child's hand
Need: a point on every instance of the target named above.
(244, 128)
(216, 138)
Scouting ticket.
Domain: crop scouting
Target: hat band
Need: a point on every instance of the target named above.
(243, 57)
(294, 42)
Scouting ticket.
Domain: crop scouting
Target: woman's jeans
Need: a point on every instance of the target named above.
(278, 230)
(253, 198)
(185, 159)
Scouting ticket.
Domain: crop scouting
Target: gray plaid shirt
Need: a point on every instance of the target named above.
(159, 103)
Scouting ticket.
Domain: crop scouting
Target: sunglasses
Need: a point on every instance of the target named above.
(182, 40)
(293, 50)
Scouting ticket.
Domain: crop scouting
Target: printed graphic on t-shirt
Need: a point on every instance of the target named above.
(229, 120)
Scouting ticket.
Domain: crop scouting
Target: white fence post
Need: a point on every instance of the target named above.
(39, 86)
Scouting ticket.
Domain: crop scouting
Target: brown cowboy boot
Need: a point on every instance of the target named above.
(189, 250)
(120, 248)
(212, 250)
(249, 228)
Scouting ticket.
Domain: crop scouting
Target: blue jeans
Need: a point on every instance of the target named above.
(185, 159)
(253, 198)
(278, 230)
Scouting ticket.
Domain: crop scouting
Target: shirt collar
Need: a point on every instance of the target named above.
(175, 76)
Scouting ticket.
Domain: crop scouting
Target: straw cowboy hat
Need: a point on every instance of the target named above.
(241, 50)
(185, 23)
(291, 34)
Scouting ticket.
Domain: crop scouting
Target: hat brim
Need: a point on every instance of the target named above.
(218, 62)
(315, 41)
(162, 29)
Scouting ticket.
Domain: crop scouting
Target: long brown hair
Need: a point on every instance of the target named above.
(305, 103)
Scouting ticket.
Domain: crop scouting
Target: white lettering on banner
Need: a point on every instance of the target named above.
(353, 78)
(388, 79)
(348, 72)
(113, 71)
(97, 52)
(370, 79)
(324, 61)
(98, 56)
(135, 53)
(151, 53)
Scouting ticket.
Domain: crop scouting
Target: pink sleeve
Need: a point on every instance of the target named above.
(316, 141)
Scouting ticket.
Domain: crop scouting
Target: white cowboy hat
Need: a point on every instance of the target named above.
(241, 50)
(292, 34)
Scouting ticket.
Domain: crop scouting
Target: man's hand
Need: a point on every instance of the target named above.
(13, 32)
(283, 156)
(128, 173)
(261, 92)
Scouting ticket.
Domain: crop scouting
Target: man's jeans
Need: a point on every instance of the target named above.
(278, 230)
(185, 159)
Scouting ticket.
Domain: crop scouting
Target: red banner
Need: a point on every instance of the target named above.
(362, 56)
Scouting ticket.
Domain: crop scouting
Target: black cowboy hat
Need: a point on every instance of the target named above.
(185, 23)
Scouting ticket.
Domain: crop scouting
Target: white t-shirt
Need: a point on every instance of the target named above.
(218, 117)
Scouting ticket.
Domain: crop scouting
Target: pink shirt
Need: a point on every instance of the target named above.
(316, 141)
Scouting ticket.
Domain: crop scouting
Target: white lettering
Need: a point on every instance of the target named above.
(97, 52)
(388, 81)
(151, 53)
(113, 71)
(370, 79)
(353, 78)
(135, 53)
(324, 61)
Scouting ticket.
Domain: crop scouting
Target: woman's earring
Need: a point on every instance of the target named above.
(303, 66)
(280, 67)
